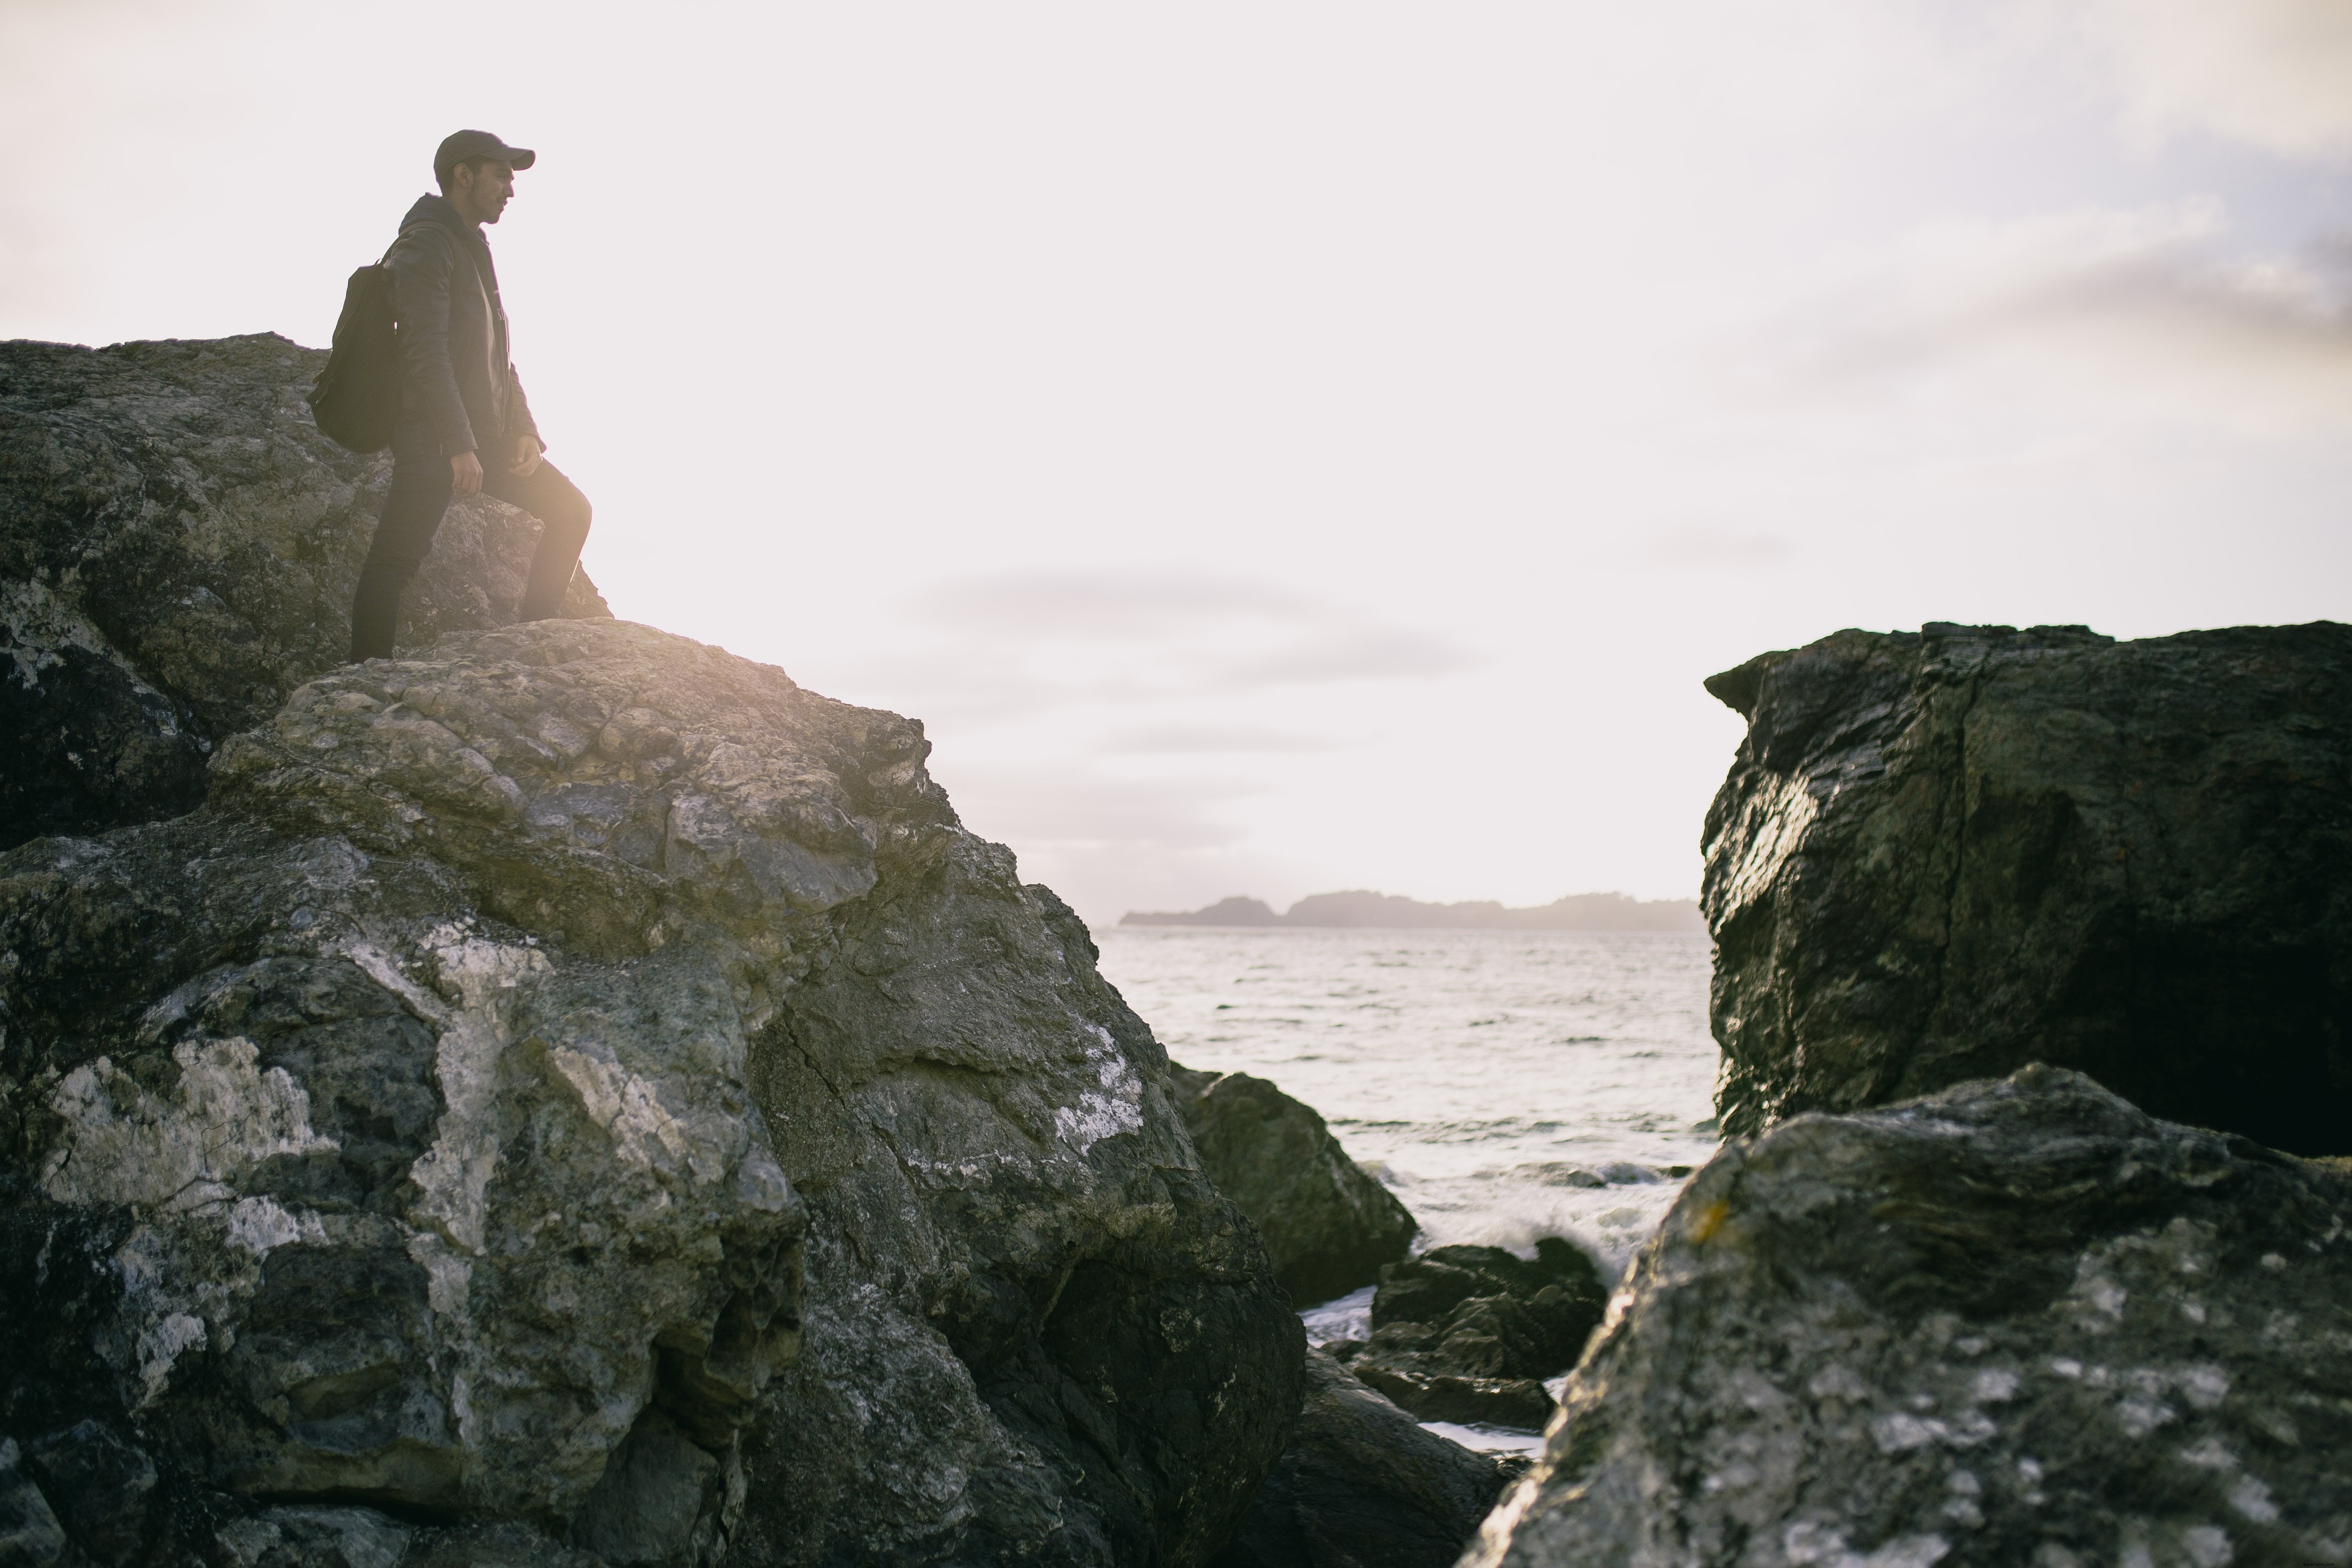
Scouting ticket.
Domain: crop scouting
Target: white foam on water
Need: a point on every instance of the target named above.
(1506, 1085)
(1488, 1439)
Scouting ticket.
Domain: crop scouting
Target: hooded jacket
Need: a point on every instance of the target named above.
(460, 381)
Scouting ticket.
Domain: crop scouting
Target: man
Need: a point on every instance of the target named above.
(464, 425)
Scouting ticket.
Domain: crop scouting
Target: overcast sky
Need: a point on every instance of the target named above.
(1286, 447)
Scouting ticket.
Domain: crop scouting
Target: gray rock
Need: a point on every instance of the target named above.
(437, 1125)
(1467, 1333)
(1328, 1224)
(1940, 857)
(178, 546)
(1363, 1486)
(2017, 1322)
(31, 1535)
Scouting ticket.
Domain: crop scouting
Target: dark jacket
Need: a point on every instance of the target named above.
(453, 332)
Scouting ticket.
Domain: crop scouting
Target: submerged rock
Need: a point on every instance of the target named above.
(1328, 1223)
(178, 545)
(2018, 1322)
(1363, 1485)
(1468, 1333)
(1940, 857)
(576, 1097)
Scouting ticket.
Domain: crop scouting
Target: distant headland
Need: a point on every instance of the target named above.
(1577, 912)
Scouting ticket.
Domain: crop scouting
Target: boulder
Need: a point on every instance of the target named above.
(178, 545)
(576, 1097)
(1940, 857)
(1468, 1333)
(1363, 1485)
(1328, 1224)
(2016, 1322)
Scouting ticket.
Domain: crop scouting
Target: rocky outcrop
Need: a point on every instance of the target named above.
(1939, 857)
(1328, 1224)
(1363, 1485)
(178, 546)
(574, 1097)
(1469, 1333)
(2018, 1322)
(1362, 909)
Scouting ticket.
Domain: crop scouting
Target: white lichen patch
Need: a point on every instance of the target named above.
(1116, 1106)
(456, 1171)
(160, 1349)
(258, 1224)
(645, 1131)
(123, 1145)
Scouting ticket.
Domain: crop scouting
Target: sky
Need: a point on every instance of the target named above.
(1283, 447)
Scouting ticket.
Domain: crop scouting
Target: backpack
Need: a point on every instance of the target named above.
(356, 399)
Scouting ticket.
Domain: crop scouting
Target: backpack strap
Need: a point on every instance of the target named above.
(403, 234)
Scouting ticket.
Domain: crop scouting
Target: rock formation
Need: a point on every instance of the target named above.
(1939, 857)
(1363, 1486)
(1469, 1333)
(178, 545)
(574, 1097)
(2016, 1323)
(1328, 1224)
(1388, 912)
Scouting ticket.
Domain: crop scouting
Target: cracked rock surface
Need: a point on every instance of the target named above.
(574, 1097)
(2015, 1323)
(1939, 857)
(178, 545)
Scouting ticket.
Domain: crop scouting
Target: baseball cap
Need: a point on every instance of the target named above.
(464, 145)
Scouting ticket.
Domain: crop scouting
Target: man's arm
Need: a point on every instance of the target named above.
(420, 264)
(523, 428)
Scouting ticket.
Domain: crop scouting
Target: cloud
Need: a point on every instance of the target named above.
(1073, 808)
(2277, 74)
(1699, 549)
(2149, 301)
(1006, 645)
(1188, 740)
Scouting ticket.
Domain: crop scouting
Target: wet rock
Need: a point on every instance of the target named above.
(30, 1531)
(1519, 1403)
(1363, 1486)
(2016, 1322)
(1939, 857)
(1328, 1224)
(435, 1129)
(1467, 1333)
(178, 546)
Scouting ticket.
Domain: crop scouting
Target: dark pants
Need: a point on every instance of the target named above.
(420, 494)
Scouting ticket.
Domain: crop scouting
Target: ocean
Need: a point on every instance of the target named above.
(1505, 1085)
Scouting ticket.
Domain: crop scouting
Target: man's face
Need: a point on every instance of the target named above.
(483, 190)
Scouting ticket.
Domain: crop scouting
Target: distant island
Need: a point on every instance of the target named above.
(1577, 912)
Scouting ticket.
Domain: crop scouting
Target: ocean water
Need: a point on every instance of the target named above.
(1506, 1085)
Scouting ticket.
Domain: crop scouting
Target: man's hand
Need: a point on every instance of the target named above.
(527, 451)
(466, 474)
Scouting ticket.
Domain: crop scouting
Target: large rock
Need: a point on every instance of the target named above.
(420, 1149)
(1940, 857)
(1328, 1224)
(1363, 1485)
(1469, 1333)
(178, 545)
(2017, 1323)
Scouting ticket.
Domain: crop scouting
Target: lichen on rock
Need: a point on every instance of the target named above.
(2015, 1322)
(440, 1123)
(178, 547)
(1940, 856)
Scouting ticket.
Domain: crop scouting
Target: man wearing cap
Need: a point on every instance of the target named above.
(464, 425)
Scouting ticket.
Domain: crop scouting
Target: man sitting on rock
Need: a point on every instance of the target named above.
(464, 425)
